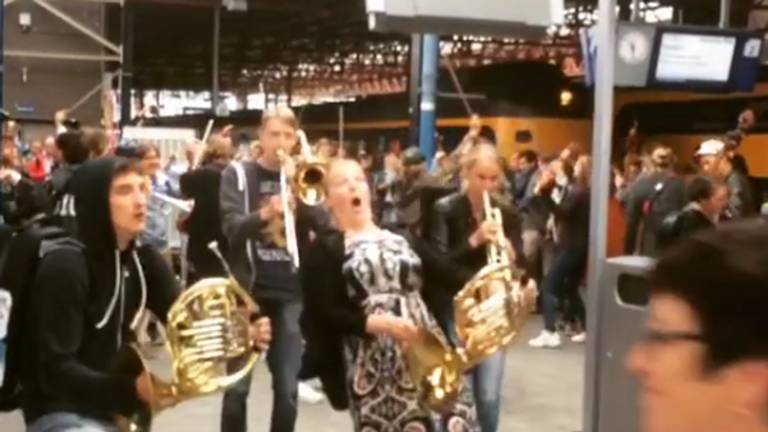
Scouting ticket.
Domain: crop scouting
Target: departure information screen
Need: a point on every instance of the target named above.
(695, 57)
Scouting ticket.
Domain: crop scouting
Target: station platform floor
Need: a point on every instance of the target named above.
(542, 393)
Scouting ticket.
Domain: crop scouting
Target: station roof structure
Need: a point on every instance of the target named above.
(327, 44)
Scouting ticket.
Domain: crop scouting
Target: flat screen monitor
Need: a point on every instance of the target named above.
(695, 57)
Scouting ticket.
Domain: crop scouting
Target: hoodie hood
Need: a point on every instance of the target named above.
(91, 186)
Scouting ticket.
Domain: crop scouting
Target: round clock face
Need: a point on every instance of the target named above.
(634, 48)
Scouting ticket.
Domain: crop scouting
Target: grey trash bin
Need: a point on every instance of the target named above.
(623, 299)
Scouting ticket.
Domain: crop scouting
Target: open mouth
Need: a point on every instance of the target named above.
(356, 202)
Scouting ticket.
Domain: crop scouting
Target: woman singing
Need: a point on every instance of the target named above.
(362, 288)
(462, 232)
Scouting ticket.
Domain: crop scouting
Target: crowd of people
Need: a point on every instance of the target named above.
(397, 237)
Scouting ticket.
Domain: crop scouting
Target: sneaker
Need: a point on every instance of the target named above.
(579, 338)
(309, 395)
(546, 340)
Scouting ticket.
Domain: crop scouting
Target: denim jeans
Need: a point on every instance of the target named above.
(561, 285)
(69, 422)
(486, 378)
(284, 362)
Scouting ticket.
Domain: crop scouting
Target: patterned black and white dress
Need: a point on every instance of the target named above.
(383, 275)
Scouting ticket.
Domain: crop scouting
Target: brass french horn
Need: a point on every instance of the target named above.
(210, 346)
(489, 311)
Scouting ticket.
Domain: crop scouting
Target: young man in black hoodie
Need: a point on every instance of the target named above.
(86, 301)
(251, 216)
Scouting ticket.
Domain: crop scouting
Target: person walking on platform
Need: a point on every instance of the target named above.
(363, 289)
(714, 161)
(652, 198)
(251, 208)
(461, 231)
(703, 362)
(85, 303)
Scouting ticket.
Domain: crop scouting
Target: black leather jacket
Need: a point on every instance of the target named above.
(453, 224)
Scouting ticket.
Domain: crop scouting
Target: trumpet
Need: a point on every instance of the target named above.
(489, 311)
(209, 341)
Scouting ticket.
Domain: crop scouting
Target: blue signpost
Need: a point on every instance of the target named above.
(430, 65)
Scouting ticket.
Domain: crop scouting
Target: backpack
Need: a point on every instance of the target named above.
(670, 230)
(654, 211)
(18, 265)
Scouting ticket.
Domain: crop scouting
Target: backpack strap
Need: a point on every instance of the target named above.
(48, 246)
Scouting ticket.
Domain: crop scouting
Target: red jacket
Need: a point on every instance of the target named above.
(38, 169)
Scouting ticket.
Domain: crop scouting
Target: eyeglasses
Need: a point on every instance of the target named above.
(660, 337)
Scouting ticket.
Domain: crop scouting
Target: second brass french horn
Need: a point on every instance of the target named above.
(489, 311)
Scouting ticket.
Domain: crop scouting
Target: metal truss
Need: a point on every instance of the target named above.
(113, 52)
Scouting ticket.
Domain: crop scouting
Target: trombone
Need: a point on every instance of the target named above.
(307, 182)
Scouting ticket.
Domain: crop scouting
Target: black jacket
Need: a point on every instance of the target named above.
(741, 202)
(453, 224)
(330, 314)
(241, 223)
(63, 197)
(204, 223)
(572, 216)
(83, 304)
(645, 192)
(681, 225)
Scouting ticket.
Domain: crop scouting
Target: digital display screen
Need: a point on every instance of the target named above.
(687, 57)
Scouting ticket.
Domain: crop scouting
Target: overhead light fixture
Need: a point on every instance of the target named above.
(566, 98)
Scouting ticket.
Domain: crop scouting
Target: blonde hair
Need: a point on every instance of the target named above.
(218, 148)
(582, 176)
(481, 152)
(96, 141)
(478, 152)
(281, 113)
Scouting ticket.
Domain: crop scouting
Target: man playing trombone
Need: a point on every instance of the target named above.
(264, 258)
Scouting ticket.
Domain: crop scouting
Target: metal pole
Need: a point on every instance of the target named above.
(414, 82)
(289, 85)
(2, 56)
(598, 228)
(635, 10)
(725, 13)
(429, 70)
(215, 60)
(459, 88)
(341, 124)
(126, 75)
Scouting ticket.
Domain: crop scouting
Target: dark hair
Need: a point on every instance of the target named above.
(722, 275)
(73, 149)
(529, 156)
(700, 188)
(144, 149)
(124, 166)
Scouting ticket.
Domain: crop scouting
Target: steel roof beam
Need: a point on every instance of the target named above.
(79, 26)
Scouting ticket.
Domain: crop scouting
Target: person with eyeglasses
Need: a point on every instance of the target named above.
(703, 364)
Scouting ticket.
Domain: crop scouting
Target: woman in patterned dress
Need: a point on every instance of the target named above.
(363, 303)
